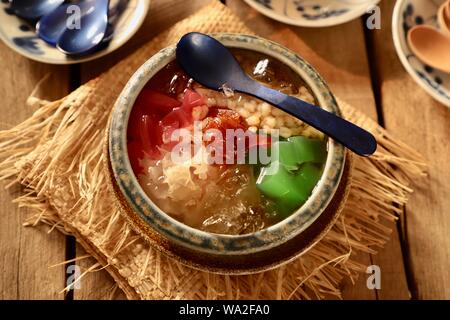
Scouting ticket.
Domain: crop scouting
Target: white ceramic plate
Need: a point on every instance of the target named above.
(408, 13)
(313, 13)
(21, 37)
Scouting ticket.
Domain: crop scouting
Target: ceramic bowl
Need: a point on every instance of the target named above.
(408, 13)
(20, 35)
(313, 13)
(222, 251)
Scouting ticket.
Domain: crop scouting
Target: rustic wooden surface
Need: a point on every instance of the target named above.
(423, 123)
(360, 66)
(26, 253)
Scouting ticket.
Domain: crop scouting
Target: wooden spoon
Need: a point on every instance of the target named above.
(431, 46)
(443, 17)
(447, 9)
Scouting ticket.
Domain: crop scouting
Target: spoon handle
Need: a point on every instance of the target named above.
(350, 135)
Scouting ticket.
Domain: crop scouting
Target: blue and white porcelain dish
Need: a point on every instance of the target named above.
(408, 13)
(313, 13)
(149, 215)
(21, 37)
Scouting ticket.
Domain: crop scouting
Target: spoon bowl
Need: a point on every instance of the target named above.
(93, 26)
(32, 9)
(51, 26)
(211, 64)
(431, 46)
(194, 52)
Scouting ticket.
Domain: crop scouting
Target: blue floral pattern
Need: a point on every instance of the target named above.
(315, 11)
(28, 43)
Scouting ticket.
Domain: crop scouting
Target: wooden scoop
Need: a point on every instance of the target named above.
(431, 46)
(443, 17)
(447, 9)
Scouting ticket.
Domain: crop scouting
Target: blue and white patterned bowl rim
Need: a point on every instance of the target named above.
(405, 16)
(313, 13)
(21, 37)
(194, 238)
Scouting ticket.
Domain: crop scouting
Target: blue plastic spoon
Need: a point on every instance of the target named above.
(93, 26)
(113, 18)
(51, 26)
(34, 9)
(211, 64)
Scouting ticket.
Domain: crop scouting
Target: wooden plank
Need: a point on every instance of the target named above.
(27, 253)
(162, 14)
(342, 61)
(394, 284)
(423, 123)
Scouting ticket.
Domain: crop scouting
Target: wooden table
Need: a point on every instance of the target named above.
(361, 67)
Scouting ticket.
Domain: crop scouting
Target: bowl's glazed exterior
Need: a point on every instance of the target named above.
(214, 252)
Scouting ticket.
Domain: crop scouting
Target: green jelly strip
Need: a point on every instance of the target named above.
(309, 150)
(290, 180)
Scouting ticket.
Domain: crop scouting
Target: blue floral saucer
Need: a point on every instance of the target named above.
(408, 13)
(313, 13)
(20, 36)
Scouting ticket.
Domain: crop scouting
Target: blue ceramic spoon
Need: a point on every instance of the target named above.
(211, 64)
(93, 22)
(34, 9)
(51, 26)
(113, 17)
